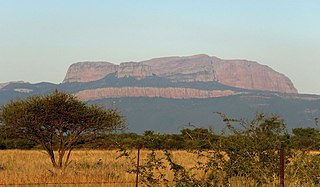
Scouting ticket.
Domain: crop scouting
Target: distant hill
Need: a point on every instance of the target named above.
(166, 94)
(171, 115)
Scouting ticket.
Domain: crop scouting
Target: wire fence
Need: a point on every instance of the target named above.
(137, 182)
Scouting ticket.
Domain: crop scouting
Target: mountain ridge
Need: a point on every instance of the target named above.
(197, 68)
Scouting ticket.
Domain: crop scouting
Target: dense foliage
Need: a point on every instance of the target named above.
(188, 139)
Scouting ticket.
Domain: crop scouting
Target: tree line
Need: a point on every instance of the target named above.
(307, 138)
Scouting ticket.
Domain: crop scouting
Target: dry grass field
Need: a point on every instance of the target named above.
(87, 168)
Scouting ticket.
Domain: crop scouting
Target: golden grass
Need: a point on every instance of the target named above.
(89, 167)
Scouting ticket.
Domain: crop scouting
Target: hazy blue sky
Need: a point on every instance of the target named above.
(39, 39)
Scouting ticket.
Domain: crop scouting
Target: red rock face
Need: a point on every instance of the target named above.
(134, 69)
(89, 71)
(251, 75)
(237, 73)
(172, 93)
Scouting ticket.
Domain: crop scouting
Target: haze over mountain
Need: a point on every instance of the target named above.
(164, 94)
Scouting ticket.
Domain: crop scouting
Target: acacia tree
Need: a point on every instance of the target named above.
(57, 121)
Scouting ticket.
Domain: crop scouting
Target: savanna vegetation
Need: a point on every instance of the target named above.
(245, 153)
(58, 121)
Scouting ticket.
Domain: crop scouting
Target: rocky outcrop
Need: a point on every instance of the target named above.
(2, 85)
(185, 69)
(134, 69)
(89, 71)
(236, 73)
(23, 90)
(251, 75)
(171, 93)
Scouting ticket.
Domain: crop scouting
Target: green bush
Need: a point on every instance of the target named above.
(16, 144)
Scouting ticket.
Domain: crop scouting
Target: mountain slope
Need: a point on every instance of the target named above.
(164, 113)
(171, 115)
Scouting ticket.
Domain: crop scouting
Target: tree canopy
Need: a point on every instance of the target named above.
(57, 121)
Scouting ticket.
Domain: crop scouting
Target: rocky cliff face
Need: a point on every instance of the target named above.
(251, 75)
(134, 69)
(171, 93)
(89, 71)
(236, 73)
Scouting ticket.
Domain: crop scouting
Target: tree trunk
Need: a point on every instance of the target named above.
(68, 156)
(53, 160)
(51, 154)
(60, 161)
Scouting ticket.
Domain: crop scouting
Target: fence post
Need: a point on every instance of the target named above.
(282, 166)
(138, 160)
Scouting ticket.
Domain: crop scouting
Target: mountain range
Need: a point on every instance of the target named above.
(169, 93)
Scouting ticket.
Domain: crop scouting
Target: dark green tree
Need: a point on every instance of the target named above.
(306, 138)
(57, 121)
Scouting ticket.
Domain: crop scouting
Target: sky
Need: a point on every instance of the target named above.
(40, 39)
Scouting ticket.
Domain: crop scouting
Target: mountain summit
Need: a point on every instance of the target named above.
(198, 68)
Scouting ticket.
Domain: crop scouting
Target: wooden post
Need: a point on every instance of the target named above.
(282, 166)
(138, 160)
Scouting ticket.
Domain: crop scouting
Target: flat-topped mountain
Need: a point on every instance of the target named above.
(89, 71)
(198, 68)
(164, 94)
